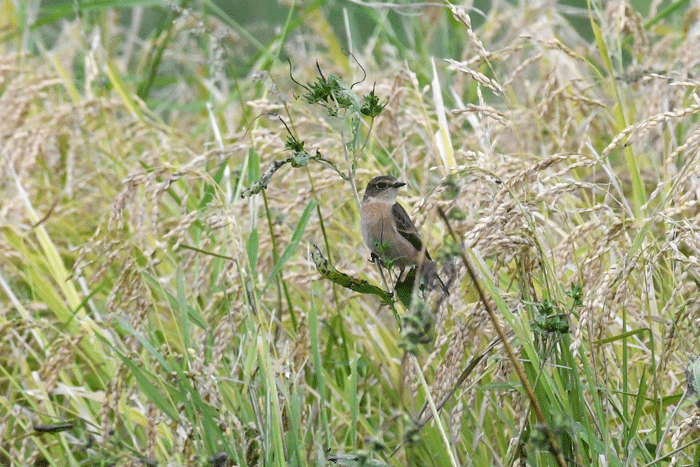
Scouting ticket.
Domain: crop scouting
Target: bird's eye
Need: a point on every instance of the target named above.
(382, 185)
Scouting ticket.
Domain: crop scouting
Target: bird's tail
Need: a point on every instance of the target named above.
(430, 275)
(441, 284)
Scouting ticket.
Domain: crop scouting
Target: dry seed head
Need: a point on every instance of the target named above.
(688, 426)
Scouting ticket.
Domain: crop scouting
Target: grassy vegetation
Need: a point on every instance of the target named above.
(173, 185)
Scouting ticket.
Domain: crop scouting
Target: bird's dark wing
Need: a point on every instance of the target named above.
(405, 227)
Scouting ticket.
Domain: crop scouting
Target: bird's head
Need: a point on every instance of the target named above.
(382, 189)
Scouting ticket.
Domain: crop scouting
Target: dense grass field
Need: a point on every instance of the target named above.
(182, 275)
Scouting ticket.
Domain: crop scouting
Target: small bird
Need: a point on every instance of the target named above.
(389, 232)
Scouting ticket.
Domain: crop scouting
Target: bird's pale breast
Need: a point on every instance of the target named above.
(378, 231)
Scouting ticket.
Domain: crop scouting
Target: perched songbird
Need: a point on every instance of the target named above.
(389, 232)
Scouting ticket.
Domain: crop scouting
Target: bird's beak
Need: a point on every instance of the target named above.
(399, 184)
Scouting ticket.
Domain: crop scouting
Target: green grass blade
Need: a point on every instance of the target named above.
(149, 389)
(293, 243)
